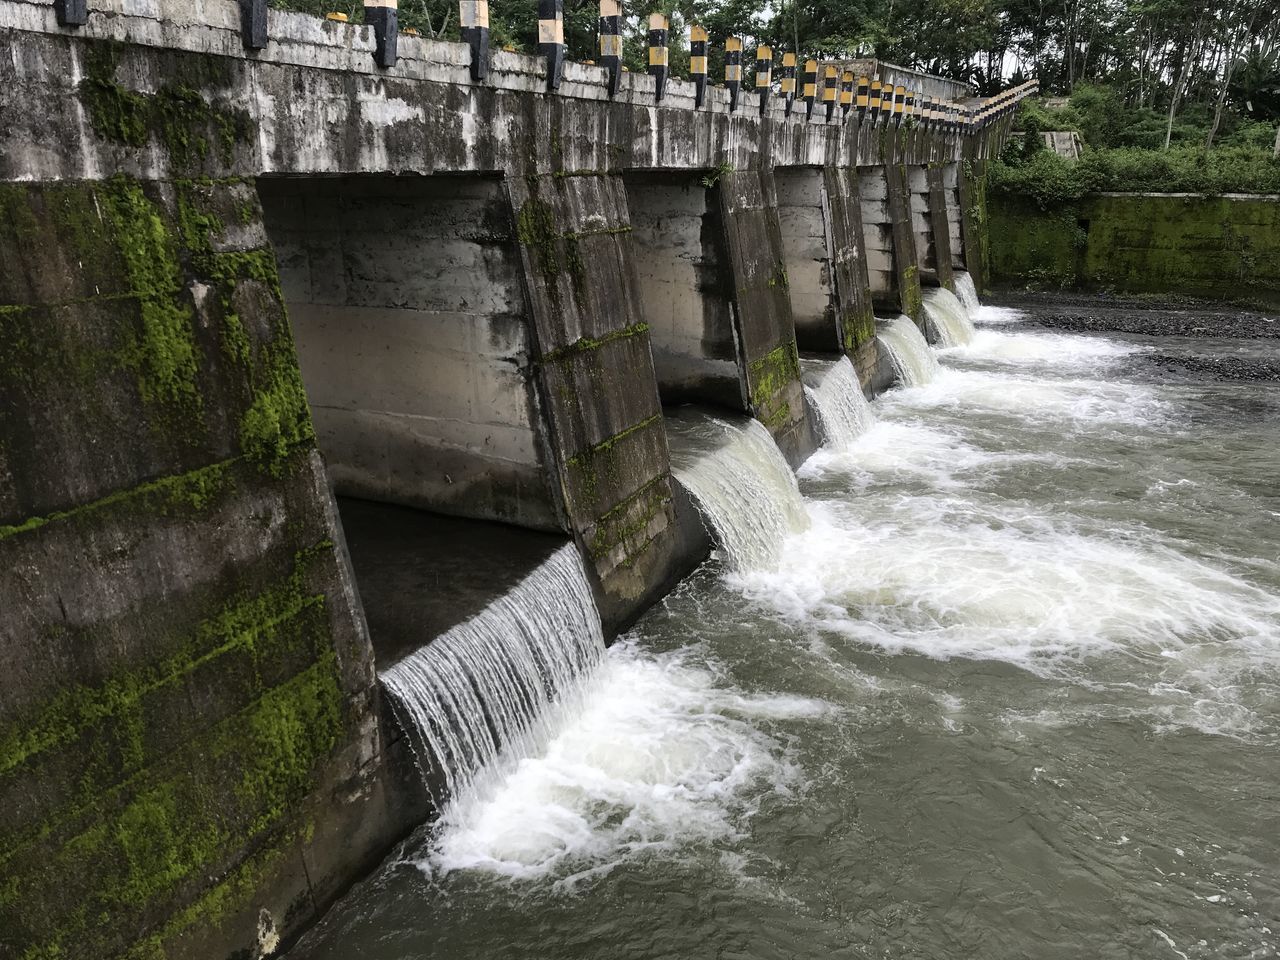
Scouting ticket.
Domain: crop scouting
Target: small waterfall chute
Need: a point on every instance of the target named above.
(912, 359)
(948, 317)
(741, 483)
(835, 393)
(967, 293)
(494, 689)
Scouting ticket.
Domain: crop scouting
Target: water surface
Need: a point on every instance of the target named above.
(1012, 693)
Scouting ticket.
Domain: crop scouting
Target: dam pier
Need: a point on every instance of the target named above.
(301, 323)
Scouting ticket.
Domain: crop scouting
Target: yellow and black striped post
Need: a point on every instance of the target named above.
(698, 62)
(764, 75)
(611, 41)
(873, 102)
(473, 20)
(733, 69)
(658, 53)
(846, 93)
(909, 111)
(810, 88)
(919, 107)
(830, 83)
(382, 16)
(788, 82)
(551, 39)
(75, 13)
(863, 100)
(899, 103)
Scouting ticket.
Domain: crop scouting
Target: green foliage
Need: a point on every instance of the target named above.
(1051, 180)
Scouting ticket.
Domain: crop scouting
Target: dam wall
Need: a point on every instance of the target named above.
(1225, 247)
(240, 286)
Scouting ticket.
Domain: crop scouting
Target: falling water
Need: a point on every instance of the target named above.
(833, 390)
(912, 358)
(948, 318)
(489, 691)
(741, 482)
(967, 292)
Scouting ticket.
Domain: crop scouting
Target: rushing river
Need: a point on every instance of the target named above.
(1012, 692)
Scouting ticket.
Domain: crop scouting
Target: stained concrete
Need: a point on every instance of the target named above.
(808, 252)
(406, 300)
(686, 288)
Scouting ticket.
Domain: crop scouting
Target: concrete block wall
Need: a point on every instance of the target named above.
(762, 310)
(407, 303)
(955, 229)
(940, 226)
(686, 288)
(809, 253)
(190, 762)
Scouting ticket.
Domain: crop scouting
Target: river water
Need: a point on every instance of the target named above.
(1012, 692)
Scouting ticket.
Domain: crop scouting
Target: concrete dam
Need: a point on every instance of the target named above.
(317, 348)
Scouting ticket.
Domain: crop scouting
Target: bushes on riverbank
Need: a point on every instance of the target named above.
(1123, 153)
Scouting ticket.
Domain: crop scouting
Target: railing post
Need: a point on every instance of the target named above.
(764, 75)
(846, 93)
(733, 69)
(253, 24)
(810, 86)
(789, 81)
(382, 16)
(829, 84)
(551, 39)
(873, 101)
(71, 13)
(473, 21)
(658, 26)
(863, 101)
(698, 63)
(611, 41)
(899, 103)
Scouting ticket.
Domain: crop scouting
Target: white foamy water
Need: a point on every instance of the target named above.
(949, 576)
(1056, 351)
(741, 483)
(663, 757)
(495, 688)
(947, 317)
(966, 292)
(1078, 403)
(912, 359)
(984, 315)
(834, 392)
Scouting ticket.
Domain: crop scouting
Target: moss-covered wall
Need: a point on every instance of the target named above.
(1219, 247)
(186, 739)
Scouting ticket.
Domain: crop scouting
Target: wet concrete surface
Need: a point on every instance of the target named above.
(420, 573)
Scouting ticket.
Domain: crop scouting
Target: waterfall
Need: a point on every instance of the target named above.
(741, 483)
(948, 317)
(967, 293)
(911, 356)
(492, 690)
(835, 393)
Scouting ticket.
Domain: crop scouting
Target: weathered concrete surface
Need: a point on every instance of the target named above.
(1220, 247)
(940, 227)
(686, 288)
(407, 304)
(955, 220)
(762, 311)
(809, 253)
(189, 759)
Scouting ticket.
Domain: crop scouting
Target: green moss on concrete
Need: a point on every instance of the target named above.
(1165, 244)
(177, 115)
(599, 467)
(279, 419)
(858, 327)
(627, 524)
(770, 377)
(587, 344)
(172, 819)
(163, 353)
(911, 296)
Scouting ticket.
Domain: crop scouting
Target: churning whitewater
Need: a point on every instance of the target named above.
(1000, 677)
